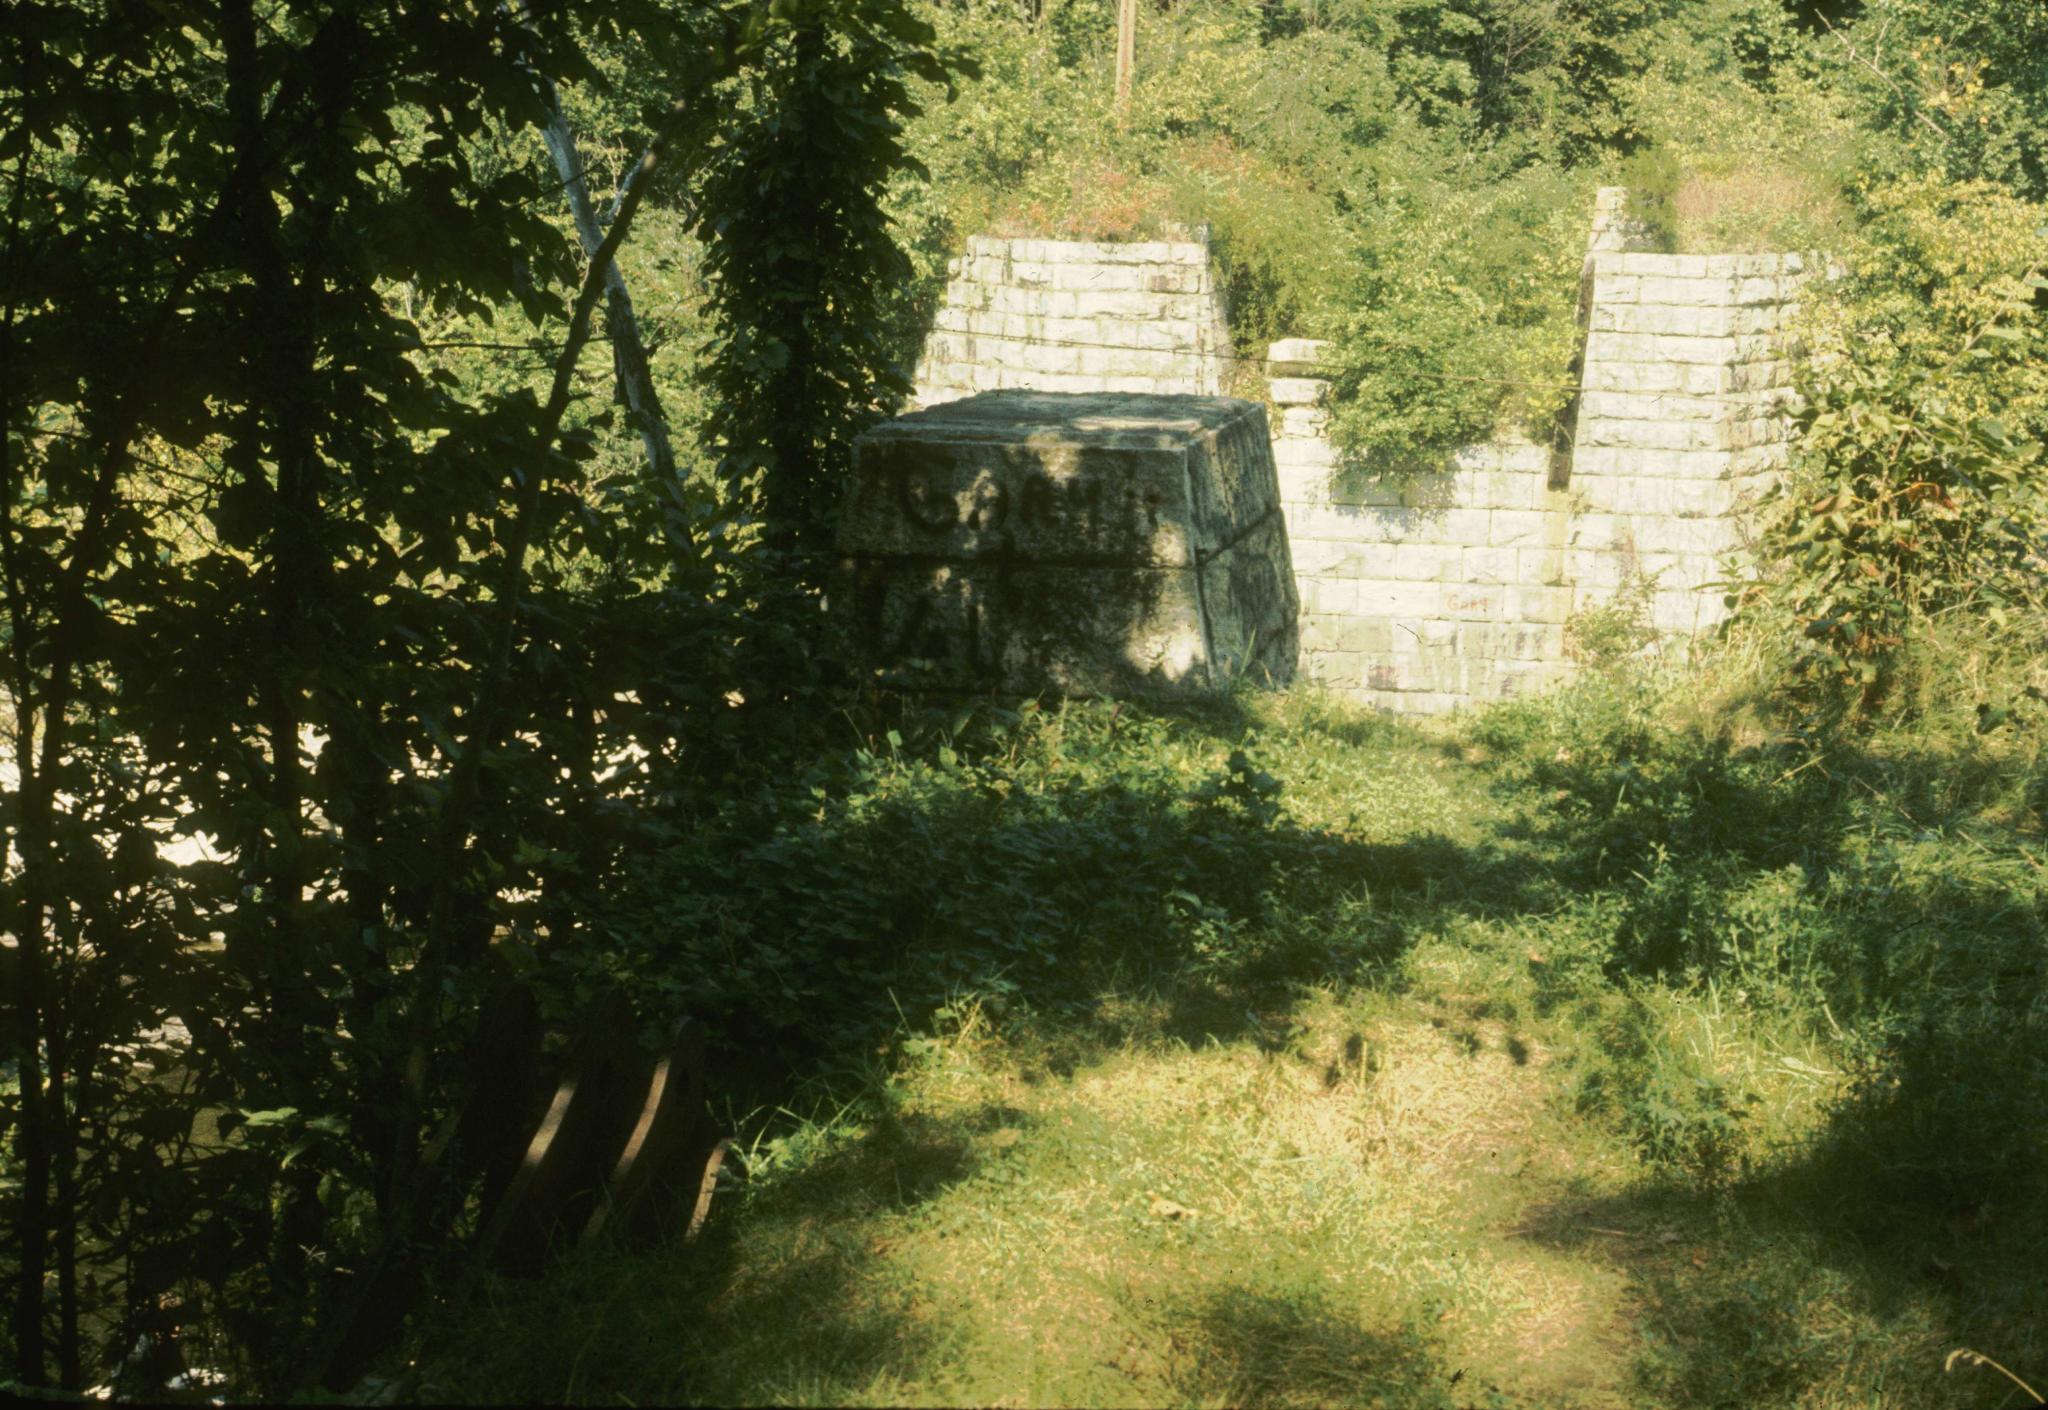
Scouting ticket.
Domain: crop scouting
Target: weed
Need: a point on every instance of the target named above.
(1591, 1052)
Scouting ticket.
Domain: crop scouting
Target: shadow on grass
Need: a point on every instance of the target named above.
(831, 934)
(792, 1317)
(1872, 892)
(1246, 1347)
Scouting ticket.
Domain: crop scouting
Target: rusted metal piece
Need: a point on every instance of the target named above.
(672, 1127)
(562, 1174)
(624, 1148)
(707, 1186)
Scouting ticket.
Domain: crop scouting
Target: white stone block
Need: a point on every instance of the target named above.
(1652, 266)
(1688, 613)
(1597, 570)
(1710, 322)
(1616, 289)
(1489, 566)
(1540, 567)
(1465, 602)
(1098, 278)
(1759, 290)
(1602, 532)
(1119, 303)
(1525, 603)
(1709, 383)
(1484, 456)
(1296, 391)
(1704, 539)
(1337, 525)
(1686, 292)
(1302, 484)
(1427, 562)
(1297, 357)
(1654, 494)
(1312, 556)
(1512, 489)
(1718, 352)
(1400, 599)
(1645, 406)
(1132, 362)
(1629, 375)
(1335, 596)
(1456, 526)
(1303, 420)
(1335, 671)
(1355, 487)
(1620, 347)
(1512, 641)
(1175, 279)
(1179, 335)
(1520, 528)
(1638, 435)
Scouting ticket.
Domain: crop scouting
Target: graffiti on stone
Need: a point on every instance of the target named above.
(1074, 543)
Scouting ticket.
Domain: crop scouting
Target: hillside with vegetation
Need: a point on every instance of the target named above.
(421, 427)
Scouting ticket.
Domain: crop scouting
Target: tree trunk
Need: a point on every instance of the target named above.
(629, 354)
(1126, 56)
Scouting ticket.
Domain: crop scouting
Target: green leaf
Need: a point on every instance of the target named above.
(275, 1116)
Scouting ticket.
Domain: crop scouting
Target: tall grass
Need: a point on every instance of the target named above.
(1642, 1044)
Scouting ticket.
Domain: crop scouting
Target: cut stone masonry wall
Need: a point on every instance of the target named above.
(1075, 316)
(1455, 588)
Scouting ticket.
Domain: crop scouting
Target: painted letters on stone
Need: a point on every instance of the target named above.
(1107, 544)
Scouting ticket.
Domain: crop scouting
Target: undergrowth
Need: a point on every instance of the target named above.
(1623, 1047)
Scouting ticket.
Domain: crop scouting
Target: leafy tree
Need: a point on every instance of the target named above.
(281, 578)
(1959, 84)
(800, 258)
(1916, 493)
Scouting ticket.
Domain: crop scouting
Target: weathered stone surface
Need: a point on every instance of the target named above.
(1416, 594)
(1297, 357)
(1074, 316)
(1087, 544)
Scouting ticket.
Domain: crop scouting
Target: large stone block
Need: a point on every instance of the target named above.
(1086, 544)
(1297, 357)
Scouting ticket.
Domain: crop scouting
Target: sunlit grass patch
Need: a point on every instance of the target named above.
(1564, 1057)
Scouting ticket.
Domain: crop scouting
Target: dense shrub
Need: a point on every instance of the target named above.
(1021, 853)
(1916, 495)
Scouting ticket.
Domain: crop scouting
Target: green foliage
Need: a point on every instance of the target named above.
(1872, 892)
(1705, 1019)
(309, 555)
(1917, 493)
(1613, 632)
(999, 852)
(1680, 1115)
(799, 258)
(1958, 85)
(1410, 180)
(1652, 175)
(1461, 322)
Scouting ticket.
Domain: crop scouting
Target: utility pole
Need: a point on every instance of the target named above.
(1126, 55)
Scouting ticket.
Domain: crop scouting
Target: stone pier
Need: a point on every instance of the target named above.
(1455, 588)
(1113, 544)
